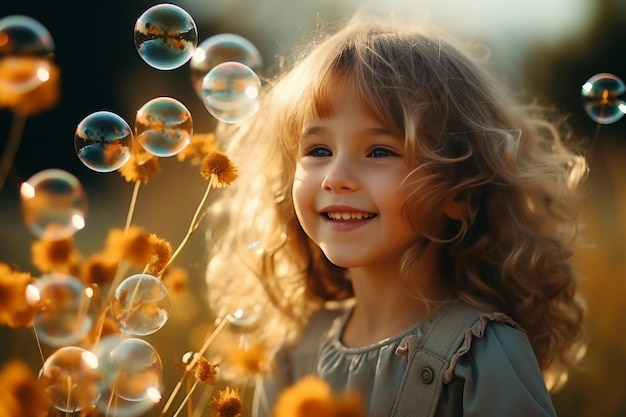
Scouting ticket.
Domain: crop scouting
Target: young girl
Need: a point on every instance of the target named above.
(393, 200)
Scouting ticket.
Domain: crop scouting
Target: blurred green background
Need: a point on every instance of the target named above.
(551, 46)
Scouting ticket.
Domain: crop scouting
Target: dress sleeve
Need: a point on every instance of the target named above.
(271, 384)
(498, 376)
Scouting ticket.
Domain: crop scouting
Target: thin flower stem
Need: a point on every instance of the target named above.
(182, 404)
(11, 146)
(38, 344)
(201, 405)
(221, 323)
(131, 208)
(192, 225)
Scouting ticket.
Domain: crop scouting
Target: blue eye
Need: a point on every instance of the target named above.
(318, 152)
(382, 153)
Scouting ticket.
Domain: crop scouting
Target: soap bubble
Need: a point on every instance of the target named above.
(141, 305)
(63, 316)
(163, 126)
(24, 36)
(165, 36)
(220, 48)
(603, 97)
(71, 379)
(103, 141)
(53, 204)
(132, 369)
(230, 92)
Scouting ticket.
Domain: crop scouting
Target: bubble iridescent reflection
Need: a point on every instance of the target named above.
(53, 204)
(604, 98)
(141, 305)
(165, 36)
(24, 36)
(70, 379)
(103, 141)
(220, 48)
(230, 92)
(163, 126)
(63, 318)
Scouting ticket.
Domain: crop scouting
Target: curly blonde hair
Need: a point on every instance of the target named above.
(514, 164)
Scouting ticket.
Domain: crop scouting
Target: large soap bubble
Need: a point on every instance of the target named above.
(63, 318)
(24, 36)
(220, 48)
(163, 126)
(54, 204)
(141, 305)
(103, 141)
(604, 98)
(165, 36)
(231, 92)
(70, 379)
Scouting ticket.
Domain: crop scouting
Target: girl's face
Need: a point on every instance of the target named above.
(346, 190)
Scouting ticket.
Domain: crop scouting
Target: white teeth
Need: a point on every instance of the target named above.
(349, 215)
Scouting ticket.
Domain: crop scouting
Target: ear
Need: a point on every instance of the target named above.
(455, 206)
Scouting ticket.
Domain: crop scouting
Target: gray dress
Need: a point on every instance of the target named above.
(494, 373)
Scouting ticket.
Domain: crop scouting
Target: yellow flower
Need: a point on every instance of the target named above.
(99, 269)
(312, 397)
(226, 404)
(216, 163)
(205, 371)
(176, 280)
(161, 253)
(15, 310)
(142, 165)
(254, 360)
(200, 145)
(21, 395)
(55, 256)
(28, 85)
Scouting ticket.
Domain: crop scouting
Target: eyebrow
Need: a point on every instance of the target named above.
(318, 130)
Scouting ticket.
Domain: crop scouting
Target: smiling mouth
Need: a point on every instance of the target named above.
(348, 216)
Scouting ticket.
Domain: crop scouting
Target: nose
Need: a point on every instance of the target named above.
(340, 177)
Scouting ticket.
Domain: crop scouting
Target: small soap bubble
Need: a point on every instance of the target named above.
(134, 369)
(63, 317)
(230, 92)
(71, 379)
(220, 48)
(163, 126)
(53, 204)
(141, 305)
(24, 36)
(103, 141)
(165, 36)
(604, 98)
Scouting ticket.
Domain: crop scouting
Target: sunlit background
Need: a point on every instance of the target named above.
(551, 46)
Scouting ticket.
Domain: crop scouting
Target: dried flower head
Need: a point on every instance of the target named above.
(205, 371)
(15, 310)
(161, 254)
(200, 145)
(253, 360)
(55, 256)
(99, 269)
(217, 164)
(142, 165)
(21, 395)
(226, 404)
(134, 245)
(312, 397)
(28, 85)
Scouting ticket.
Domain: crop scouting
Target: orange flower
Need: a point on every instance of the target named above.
(21, 395)
(15, 310)
(100, 269)
(176, 281)
(200, 145)
(55, 256)
(254, 360)
(134, 246)
(312, 397)
(217, 164)
(161, 253)
(28, 85)
(205, 371)
(142, 165)
(226, 404)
